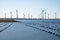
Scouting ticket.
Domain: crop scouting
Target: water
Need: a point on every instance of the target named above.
(30, 30)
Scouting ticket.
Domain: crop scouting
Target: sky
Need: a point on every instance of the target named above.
(32, 7)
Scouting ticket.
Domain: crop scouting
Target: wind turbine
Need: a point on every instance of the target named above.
(45, 15)
(5, 15)
(55, 15)
(42, 13)
(16, 13)
(23, 15)
(48, 16)
(11, 14)
(31, 16)
(28, 15)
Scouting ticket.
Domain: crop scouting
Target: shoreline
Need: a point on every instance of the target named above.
(7, 20)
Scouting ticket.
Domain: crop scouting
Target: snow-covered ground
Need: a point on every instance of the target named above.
(30, 30)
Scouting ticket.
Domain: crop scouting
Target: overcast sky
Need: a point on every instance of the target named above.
(32, 7)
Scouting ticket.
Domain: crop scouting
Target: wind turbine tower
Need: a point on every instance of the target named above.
(55, 15)
(5, 15)
(31, 16)
(45, 15)
(28, 15)
(16, 13)
(48, 16)
(23, 15)
(11, 14)
(42, 14)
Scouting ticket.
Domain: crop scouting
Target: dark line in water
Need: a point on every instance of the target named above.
(5, 27)
(1, 23)
(4, 24)
(43, 30)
